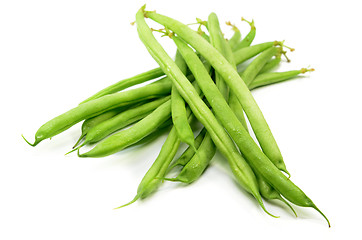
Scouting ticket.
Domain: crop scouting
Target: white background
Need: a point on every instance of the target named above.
(56, 53)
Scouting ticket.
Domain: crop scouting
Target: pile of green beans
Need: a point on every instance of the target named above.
(200, 85)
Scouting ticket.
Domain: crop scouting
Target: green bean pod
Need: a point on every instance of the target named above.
(178, 109)
(128, 82)
(216, 40)
(243, 173)
(257, 64)
(98, 106)
(122, 120)
(246, 53)
(89, 123)
(129, 136)
(198, 163)
(276, 77)
(271, 65)
(157, 171)
(245, 42)
(189, 152)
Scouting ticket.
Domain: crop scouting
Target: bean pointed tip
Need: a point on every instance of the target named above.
(31, 144)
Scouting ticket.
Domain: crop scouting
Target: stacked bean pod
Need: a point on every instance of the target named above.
(201, 84)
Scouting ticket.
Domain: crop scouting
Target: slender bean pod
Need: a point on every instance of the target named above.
(276, 77)
(128, 82)
(125, 138)
(98, 106)
(178, 109)
(122, 120)
(245, 42)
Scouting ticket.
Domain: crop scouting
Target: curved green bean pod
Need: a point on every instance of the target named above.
(276, 77)
(231, 77)
(98, 106)
(122, 120)
(245, 42)
(243, 173)
(178, 109)
(128, 82)
(256, 158)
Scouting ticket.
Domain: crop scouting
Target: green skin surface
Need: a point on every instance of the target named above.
(251, 151)
(178, 109)
(235, 39)
(249, 38)
(89, 123)
(127, 137)
(273, 77)
(99, 106)
(122, 120)
(189, 152)
(231, 77)
(151, 180)
(243, 173)
(270, 149)
(128, 82)
(271, 65)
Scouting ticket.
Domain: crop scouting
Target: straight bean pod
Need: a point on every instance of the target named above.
(98, 106)
(128, 82)
(245, 42)
(129, 136)
(178, 109)
(276, 77)
(121, 120)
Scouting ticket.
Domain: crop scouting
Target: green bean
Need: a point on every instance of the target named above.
(189, 152)
(243, 173)
(216, 39)
(275, 77)
(235, 39)
(178, 109)
(122, 120)
(128, 82)
(123, 139)
(234, 104)
(256, 158)
(231, 77)
(198, 163)
(271, 64)
(248, 38)
(269, 193)
(257, 64)
(98, 106)
(246, 53)
(89, 123)
(270, 148)
(152, 178)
